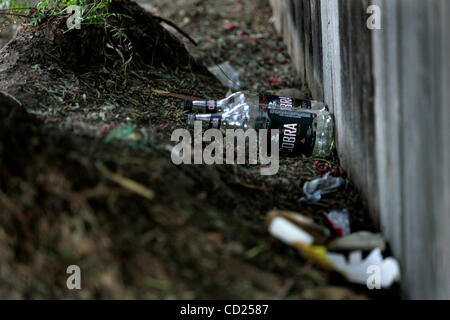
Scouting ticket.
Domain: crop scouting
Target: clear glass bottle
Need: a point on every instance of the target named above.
(301, 131)
(252, 99)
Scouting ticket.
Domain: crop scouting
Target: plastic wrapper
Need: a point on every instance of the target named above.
(340, 220)
(314, 189)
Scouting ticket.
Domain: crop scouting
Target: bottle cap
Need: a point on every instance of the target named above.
(187, 105)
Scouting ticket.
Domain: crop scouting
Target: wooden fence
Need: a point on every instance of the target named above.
(389, 89)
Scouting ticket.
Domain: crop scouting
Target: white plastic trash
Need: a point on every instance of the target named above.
(314, 189)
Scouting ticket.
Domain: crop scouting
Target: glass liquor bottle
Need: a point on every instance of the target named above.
(252, 99)
(301, 131)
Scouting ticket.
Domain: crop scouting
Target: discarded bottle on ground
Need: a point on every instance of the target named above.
(301, 131)
(252, 99)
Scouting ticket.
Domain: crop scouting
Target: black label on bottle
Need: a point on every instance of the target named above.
(272, 101)
(297, 129)
(214, 121)
(211, 106)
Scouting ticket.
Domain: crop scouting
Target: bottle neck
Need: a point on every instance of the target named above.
(197, 117)
(210, 106)
(211, 121)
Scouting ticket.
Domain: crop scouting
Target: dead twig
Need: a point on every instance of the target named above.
(14, 14)
(175, 95)
(125, 182)
(170, 23)
(22, 8)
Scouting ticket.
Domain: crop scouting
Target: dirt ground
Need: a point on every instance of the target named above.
(90, 123)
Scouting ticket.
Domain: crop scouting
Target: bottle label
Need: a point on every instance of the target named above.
(214, 122)
(297, 129)
(211, 106)
(272, 101)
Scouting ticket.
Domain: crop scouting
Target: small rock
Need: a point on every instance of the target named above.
(363, 240)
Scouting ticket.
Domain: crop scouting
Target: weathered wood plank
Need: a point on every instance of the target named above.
(387, 118)
(422, 146)
(316, 37)
(442, 197)
(390, 92)
(307, 36)
(355, 113)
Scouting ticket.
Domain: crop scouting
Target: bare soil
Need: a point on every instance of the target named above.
(85, 117)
